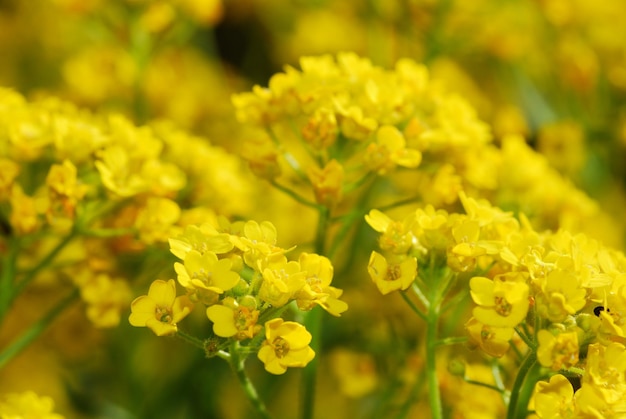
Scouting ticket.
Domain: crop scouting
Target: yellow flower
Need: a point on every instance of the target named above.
(317, 289)
(27, 405)
(396, 236)
(391, 277)
(232, 319)
(156, 220)
(493, 340)
(561, 295)
(105, 298)
(554, 399)
(321, 129)
(606, 371)
(8, 172)
(282, 281)
(286, 345)
(206, 272)
(24, 216)
(202, 239)
(161, 309)
(500, 303)
(557, 352)
(327, 183)
(390, 151)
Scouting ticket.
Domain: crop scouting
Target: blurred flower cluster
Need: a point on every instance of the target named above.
(445, 177)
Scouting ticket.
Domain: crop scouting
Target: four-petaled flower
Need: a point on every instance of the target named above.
(286, 345)
(161, 309)
(391, 277)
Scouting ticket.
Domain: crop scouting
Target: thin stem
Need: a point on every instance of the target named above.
(415, 308)
(432, 323)
(400, 203)
(497, 377)
(525, 338)
(313, 323)
(43, 264)
(7, 277)
(36, 329)
(418, 292)
(237, 363)
(295, 195)
(481, 384)
(522, 388)
(452, 340)
(198, 343)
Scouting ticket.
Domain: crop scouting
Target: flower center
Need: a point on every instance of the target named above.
(281, 347)
(163, 315)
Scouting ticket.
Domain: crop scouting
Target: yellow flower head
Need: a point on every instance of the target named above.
(286, 345)
(500, 303)
(156, 221)
(391, 277)
(561, 295)
(202, 239)
(491, 339)
(557, 352)
(206, 272)
(27, 405)
(317, 289)
(327, 183)
(161, 309)
(282, 281)
(390, 151)
(606, 371)
(231, 319)
(554, 399)
(396, 236)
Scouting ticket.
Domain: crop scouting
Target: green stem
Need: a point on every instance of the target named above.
(36, 329)
(295, 195)
(237, 363)
(452, 340)
(525, 338)
(43, 264)
(522, 388)
(313, 323)
(434, 397)
(481, 384)
(411, 304)
(198, 343)
(7, 277)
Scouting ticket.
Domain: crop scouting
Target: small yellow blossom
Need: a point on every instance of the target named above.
(106, 297)
(491, 339)
(27, 405)
(24, 217)
(203, 238)
(397, 236)
(156, 221)
(286, 345)
(327, 183)
(555, 398)
(8, 172)
(561, 295)
(391, 277)
(557, 352)
(282, 281)
(500, 303)
(206, 272)
(233, 319)
(161, 309)
(317, 289)
(321, 129)
(606, 371)
(390, 151)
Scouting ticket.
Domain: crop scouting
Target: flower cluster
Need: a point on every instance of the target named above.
(561, 294)
(88, 186)
(245, 281)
